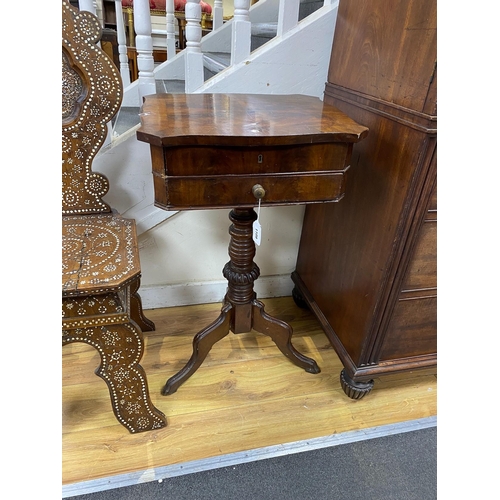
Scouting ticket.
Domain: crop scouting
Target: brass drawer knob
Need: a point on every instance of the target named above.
(258, 191)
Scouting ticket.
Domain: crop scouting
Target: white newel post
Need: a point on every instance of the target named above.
(242, 31)
(170, 19)
(122, 44)
(194, 57)
(144, 48)
(288, 15)
(217, 15)
(99, 11)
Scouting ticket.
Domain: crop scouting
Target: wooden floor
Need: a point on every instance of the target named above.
(245, 396)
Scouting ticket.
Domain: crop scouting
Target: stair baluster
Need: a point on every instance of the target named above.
(194, 58)
(122, 44)
(99, 11)
(170, 20)
(217, 14)
(144, 47)
(242, 31)
(288, 15)
(87, 5)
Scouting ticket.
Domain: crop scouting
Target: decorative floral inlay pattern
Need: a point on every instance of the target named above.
(88, 305)
(98, 252)
(92, 94)
(72, 88)
(122, 373)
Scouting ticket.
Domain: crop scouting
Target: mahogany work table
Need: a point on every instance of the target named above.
(230, 151)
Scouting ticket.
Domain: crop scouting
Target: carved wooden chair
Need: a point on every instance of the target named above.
(100, 259)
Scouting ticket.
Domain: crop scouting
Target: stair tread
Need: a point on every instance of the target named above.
(170, 86)
(223, 58)
(128, 116)
(215, 62)
(264, 29)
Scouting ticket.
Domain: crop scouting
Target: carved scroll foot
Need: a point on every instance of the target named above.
(121, 348)
(355, 390)
(281, 334)
(202, 343)
(136, 312)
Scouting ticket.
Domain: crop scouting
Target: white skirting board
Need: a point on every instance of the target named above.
(183, 294)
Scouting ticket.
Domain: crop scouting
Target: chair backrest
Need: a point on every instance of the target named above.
(92, 93)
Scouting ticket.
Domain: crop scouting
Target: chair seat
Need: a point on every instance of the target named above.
(99, 255)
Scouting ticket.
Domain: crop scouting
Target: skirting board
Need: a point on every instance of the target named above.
(208, 292)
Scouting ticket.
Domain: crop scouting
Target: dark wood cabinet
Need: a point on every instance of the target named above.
(367, 266)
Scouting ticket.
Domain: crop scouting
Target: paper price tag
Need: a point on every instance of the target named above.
(256, 228)
(256, 233)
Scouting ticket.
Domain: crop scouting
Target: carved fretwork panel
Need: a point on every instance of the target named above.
(91, 95)
(120, 348)
(95, 310)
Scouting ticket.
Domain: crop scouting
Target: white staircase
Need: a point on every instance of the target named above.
(288, 53)
(293, 62)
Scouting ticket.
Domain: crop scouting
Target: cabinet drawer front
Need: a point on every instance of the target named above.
(433, 203)
(422, 271)
(412, 330)
(235, 191)
(432, 207)
(204, 160)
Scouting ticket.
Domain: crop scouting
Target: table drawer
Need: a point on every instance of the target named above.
(236, 191)
(205, 160)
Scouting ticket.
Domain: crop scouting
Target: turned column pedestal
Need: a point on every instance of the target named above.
(241, 311)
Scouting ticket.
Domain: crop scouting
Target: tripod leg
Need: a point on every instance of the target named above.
(202, 343)
(281, 334)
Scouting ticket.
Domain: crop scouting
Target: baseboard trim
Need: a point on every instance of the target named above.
(207, 292)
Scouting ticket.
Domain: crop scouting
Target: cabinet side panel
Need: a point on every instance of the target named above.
(348, 250)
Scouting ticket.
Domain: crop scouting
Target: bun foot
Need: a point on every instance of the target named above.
(298, 298)
(354, 390)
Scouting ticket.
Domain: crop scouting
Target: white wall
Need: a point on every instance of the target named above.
(182, 258)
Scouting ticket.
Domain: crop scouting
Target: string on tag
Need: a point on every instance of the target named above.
(256, 228)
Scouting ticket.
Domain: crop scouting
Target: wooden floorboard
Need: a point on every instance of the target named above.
(246, 395)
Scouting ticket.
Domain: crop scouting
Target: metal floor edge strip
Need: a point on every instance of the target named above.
(241, 457)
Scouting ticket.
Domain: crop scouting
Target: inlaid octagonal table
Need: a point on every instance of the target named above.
(236, 151)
